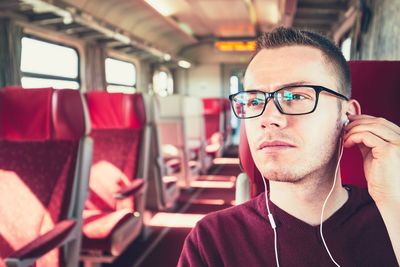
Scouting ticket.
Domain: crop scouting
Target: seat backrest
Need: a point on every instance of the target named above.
(118, 122)
(247, 164)
(227, 127)
(41, 137)
(195, 130)
(375, 86)
(158, 196)
(213, 115)
(193, 116)
(171, 120)
(173, 137)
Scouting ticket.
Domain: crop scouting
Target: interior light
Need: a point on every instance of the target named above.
(184, 64)
(162, 7)
(167, 57)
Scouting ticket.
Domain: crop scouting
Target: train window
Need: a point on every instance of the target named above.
(234, 87)
(346, 48)
(120, 76)
(163, 83)
(234, 84)
(45, 64)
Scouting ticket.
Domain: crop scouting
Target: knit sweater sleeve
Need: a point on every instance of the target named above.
(191, 255)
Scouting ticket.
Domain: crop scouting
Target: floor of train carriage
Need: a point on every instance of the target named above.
(166, 231)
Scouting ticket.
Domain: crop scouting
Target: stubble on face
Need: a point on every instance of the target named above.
(315, 152)
(305, 163)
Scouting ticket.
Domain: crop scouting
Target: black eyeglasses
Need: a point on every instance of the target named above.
(290, 100)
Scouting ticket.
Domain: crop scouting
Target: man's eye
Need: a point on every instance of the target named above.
(254, 102)
(298, 97)
(288, 96)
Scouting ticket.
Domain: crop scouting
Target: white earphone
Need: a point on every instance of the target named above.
(271, 218)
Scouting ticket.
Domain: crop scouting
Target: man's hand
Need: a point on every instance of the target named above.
(379, 142)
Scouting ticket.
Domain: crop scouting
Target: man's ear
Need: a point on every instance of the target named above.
(353, 107)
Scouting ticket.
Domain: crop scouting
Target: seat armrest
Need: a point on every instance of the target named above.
(134, 188)
(62, 233)
(243, 191)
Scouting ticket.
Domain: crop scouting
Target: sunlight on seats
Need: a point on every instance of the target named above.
(209, 201)
(105, 179)
(217, 178)
(179, 220)
(24, 201)
(220, 161)
(211, 184)
(169, 179)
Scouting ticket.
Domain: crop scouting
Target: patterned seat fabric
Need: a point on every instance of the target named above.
(39, 141)
(118, 122)
(214, 114)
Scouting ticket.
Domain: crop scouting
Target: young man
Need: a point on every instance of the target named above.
(297, 115)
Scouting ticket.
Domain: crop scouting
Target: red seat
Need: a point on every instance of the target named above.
(175, 127)
(375, 85)
(163, 189)
(213, 121)
(113, 210)
(227, 127)
(43, 151)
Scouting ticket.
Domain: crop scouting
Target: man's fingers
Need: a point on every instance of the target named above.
(366, 119)
(366, 138)
(377, 129)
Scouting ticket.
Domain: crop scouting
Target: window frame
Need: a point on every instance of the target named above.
(47, 76)
(134, 86)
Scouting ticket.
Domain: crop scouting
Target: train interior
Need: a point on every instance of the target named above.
(117, 134)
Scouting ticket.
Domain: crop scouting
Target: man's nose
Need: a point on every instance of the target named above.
(272, 117)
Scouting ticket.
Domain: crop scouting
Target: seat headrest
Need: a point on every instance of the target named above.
(213, 106)
(375, 85)
(247, 163)
(192, 106)
(171, 106)
(41, 114)
(226, 104)
(116, 110)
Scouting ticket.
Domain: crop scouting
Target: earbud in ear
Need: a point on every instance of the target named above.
(344, 126)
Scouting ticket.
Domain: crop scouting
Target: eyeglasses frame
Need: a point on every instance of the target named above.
(272, 95)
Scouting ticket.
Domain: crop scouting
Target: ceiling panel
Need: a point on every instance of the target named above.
(269, 12)
(139, 19)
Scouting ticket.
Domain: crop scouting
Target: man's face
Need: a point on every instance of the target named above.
(287, 147)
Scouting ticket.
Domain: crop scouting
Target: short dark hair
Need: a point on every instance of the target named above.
(281, 37)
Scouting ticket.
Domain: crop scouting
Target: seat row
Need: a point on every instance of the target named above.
(77, 171)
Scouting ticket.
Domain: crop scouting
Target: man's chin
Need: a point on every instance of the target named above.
(281, 176)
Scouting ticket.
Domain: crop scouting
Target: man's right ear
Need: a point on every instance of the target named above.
(353, 107)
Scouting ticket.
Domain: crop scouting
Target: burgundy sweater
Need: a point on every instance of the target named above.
(242, 236)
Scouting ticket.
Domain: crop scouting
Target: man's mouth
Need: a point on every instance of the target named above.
(274, 146)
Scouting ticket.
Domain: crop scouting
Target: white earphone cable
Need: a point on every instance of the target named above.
(273, 224)
(326, 200)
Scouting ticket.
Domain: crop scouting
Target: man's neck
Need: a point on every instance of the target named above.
(305, 200)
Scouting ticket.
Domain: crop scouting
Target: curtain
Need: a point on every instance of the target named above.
(10, 52)
(95, 56)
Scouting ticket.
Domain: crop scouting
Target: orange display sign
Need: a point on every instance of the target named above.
(235, 45)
